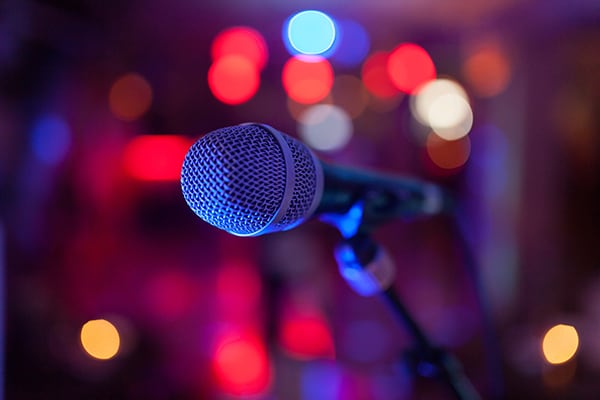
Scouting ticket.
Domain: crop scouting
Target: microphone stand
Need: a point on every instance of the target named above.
(368, 269)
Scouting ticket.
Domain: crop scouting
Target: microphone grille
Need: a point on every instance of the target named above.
(250, 179)
(305, 185)
(234, 178)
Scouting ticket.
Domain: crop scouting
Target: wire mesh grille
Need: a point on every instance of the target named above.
(305, 185)
(234, 178)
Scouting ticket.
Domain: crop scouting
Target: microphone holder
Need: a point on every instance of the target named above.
(370, 271)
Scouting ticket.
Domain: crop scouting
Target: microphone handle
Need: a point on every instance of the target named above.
(386, 196)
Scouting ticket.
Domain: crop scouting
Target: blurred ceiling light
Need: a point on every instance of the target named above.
(560, 343)
(50, 139)
(307, 79)
(375, 76)
(409, 66)
(487, 69)
(448, 155)
(349, 93)
(130, 97)
(309, 32)
(155, 157)
(233, 79)
(352, 43)
(241, 41)
(325, 127)
(100, 339)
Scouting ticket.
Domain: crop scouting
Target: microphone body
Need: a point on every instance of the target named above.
(251, 179)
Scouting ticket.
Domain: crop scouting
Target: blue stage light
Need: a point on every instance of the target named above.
(50, 139)
(352, 43)
(309, 32)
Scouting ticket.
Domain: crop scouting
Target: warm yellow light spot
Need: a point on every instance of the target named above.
(560, 344)
(100, 339)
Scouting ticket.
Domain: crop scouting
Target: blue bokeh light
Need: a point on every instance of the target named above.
(321, 381)
(50, 139)
(309, 32)
(352, 43)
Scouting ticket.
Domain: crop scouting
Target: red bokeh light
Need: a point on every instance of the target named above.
(241, 41)
(233, 79)
(375, 76)
(238, 289)
(409, 66)
(155, 157)
(307, 337)
(307, 80)
(241, 366)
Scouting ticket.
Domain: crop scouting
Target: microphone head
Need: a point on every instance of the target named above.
(251, 179)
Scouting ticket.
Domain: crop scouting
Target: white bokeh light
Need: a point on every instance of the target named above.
(443, 105)
(450, 116)
(428, 93)
(325, 127)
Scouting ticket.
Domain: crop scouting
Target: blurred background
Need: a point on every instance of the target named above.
(114, 289)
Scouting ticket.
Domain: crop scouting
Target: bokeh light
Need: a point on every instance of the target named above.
(50, 139)
(130, 97)
(450, 116)
(560, 343)
(352, 43)
(325, 127)
(238, 288)
(100, 339)
(321, 380)
(169, 295)
(409, 66)
(375, 76)
(155, 157)
(233, 79)
(443, 105)
(349, 93)
(307, 79)
(241, 41)
(448, 155)
(309, 32)
(241, 366)
(306, 337)
(428, 93)
(487, 70)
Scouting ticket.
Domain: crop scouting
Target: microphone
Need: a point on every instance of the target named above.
(252, 179)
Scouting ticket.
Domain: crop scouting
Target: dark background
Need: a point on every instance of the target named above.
(81, 239)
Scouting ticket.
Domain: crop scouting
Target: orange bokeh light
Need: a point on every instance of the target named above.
(130, 97)
(233, 79)
(375, 76)
(487, 70)
(410, 66)
(350, 94)
(241, 41)
(448, 154)
(307, 80)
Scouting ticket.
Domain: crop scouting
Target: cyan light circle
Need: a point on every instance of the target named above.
(311, 32)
